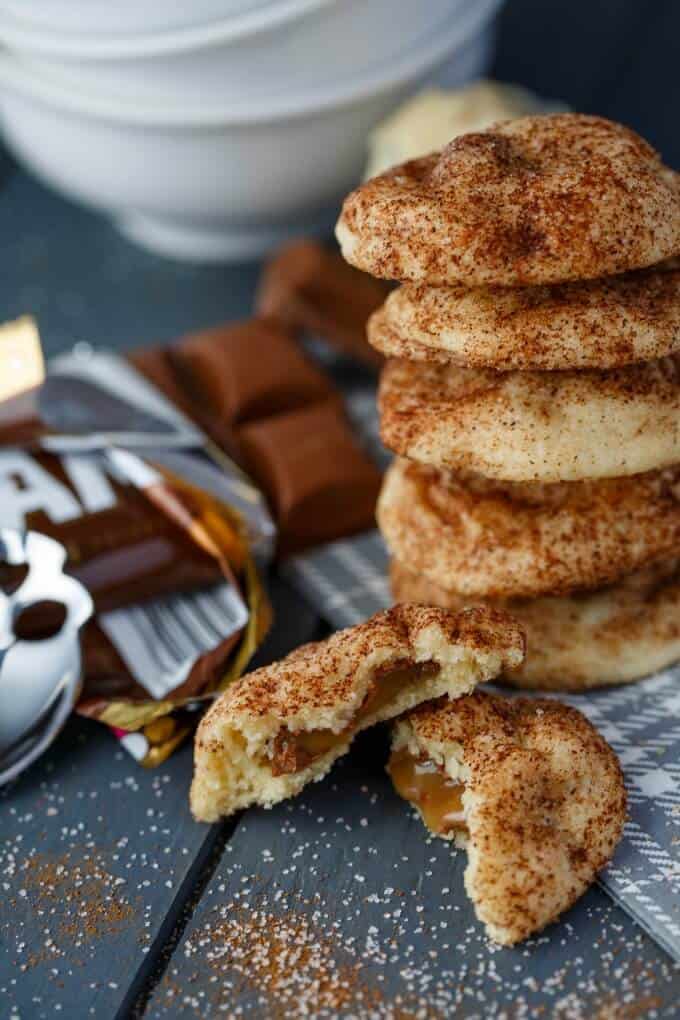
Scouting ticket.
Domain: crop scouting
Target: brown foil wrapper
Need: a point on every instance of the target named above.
(113, 696)
(128, 554)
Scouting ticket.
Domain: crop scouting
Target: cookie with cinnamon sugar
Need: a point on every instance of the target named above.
(530, 789)
(619, 320)
(537, 200)
(533, 426)
(282, 726)
(497, 540)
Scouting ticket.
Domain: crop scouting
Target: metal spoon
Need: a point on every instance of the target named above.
(40, 678)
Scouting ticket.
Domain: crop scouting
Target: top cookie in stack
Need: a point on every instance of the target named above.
(534, 368)
(533, 201)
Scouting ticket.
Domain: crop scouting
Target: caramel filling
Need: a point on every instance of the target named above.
(428, 788)
(293, 752)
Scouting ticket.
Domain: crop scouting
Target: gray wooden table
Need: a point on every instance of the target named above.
(114, 903)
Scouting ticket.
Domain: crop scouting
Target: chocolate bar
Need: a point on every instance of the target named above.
(246, 371)
(320, 482)
(162, 539)
(314, 291)
(281, 418)
(120, 545)
(251, 388)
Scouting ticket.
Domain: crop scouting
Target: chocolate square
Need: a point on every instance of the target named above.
(315, 291)
(243, 372)
(319, 482)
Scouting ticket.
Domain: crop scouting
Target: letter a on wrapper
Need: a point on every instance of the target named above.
(162, 547)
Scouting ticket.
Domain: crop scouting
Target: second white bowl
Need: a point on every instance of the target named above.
(270, 56)
(121, 17)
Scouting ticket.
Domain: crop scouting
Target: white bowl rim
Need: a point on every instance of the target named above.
(13, 73)
(24, 37)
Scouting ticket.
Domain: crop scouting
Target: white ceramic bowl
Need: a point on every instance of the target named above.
(231, 185)
(121, 17)
(272, 54)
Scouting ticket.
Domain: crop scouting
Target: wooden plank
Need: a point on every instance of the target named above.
(92, 852)
(97, 859)
(338, 904)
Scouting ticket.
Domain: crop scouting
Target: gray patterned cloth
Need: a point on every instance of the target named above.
(347, 581)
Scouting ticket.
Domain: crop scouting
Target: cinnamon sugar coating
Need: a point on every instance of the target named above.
(614, 635)
(537, 200)
(591, 324)
(544, 802)
(324, 685)
(324, 675)
(492, 540)
(534, 426)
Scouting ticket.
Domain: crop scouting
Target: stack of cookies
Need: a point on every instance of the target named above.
(532, 391)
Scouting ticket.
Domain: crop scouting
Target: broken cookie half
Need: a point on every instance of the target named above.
(278, 728)
(529, 787)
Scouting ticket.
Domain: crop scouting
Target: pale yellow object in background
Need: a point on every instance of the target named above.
(432, 118)
(22, 365)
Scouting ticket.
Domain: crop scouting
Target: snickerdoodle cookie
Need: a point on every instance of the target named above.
(531, 790)
(533, 426)
(282, 726)
(589, 324)
(492, 540)
(540, 199)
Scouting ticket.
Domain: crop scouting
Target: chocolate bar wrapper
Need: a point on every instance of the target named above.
(174, 624)
(163, 537)
(118, 694)
(120, 546)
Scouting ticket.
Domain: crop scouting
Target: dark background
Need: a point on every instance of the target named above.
(615, 57)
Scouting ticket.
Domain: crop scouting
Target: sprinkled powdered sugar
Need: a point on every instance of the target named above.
(312, 913)
(75, 899)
